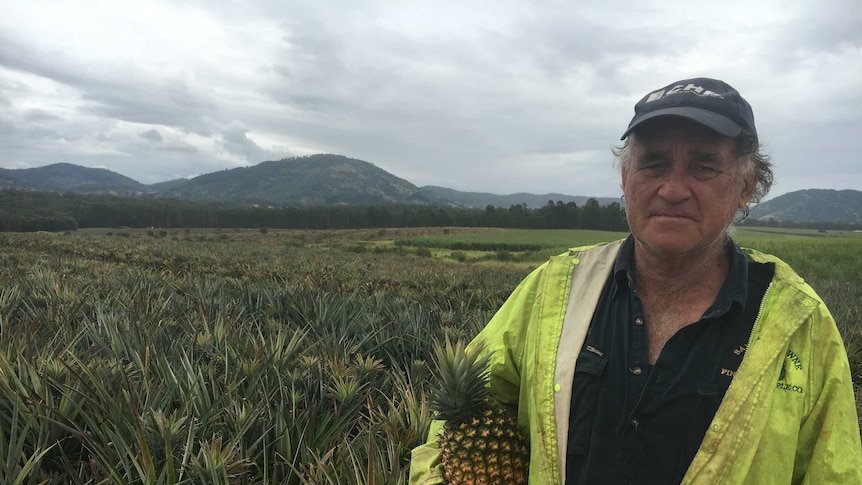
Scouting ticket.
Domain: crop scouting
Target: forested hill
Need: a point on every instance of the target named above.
(67, 177)
(812, 205)
(303, 181)
(314, 180)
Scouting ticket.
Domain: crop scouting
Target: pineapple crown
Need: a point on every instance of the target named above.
(461, 390)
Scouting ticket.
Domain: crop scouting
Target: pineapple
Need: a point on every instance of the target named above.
(481, 441)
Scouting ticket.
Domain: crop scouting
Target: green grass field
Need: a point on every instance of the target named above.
(831, 255)
(249, 357)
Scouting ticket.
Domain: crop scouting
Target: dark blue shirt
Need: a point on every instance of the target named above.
(632, 423)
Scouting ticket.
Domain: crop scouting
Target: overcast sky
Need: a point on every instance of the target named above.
(492, 96)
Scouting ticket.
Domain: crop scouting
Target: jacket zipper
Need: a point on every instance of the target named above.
(759, 312)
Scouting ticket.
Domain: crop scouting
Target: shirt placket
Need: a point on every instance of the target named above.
(637, 350)
(636, 347)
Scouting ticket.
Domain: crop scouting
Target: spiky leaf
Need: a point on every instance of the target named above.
(462, 378)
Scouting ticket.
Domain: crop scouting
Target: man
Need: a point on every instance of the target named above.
(674, 356)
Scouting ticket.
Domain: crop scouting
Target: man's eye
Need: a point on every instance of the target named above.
(706, 169)
(651, 165)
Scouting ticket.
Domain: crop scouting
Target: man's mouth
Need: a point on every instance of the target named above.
(671, 215)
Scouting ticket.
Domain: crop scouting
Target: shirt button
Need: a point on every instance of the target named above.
(636, 371)
(636, 422)
(639, 321)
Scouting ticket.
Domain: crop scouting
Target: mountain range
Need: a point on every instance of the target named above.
(813, 205)
(301, 181)
(328, 179)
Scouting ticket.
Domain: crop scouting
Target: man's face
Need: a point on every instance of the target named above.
(682, 186)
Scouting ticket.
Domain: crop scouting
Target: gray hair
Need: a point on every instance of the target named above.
(750, 153)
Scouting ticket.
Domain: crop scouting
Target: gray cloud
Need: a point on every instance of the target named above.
(39, 115)
(153, 135)
(120, 91)
(235, 140)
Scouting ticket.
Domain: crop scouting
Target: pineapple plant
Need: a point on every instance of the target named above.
(481, 441)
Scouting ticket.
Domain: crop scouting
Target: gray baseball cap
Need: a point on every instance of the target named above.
(710, 102)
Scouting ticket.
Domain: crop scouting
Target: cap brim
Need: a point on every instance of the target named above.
(713, 121)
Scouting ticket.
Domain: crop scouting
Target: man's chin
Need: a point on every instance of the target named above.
(670, 245)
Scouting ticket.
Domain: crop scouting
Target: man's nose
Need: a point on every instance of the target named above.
(675, 187)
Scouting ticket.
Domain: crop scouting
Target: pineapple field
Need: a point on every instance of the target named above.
(134, 356)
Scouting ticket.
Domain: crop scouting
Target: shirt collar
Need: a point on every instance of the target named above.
(733, 290)
(624, 266)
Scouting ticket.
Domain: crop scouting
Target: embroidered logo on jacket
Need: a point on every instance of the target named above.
(795, 363)
(731, 364)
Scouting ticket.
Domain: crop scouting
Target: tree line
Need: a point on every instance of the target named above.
(48, 211)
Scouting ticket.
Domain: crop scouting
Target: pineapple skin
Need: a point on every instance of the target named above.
(486, 449)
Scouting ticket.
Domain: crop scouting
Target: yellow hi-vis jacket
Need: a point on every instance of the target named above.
(788, 417)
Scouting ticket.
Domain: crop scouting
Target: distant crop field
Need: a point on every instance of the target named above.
(814, 255)
(529, 247)
(252, 356)
(827, 255)
(513, 238)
